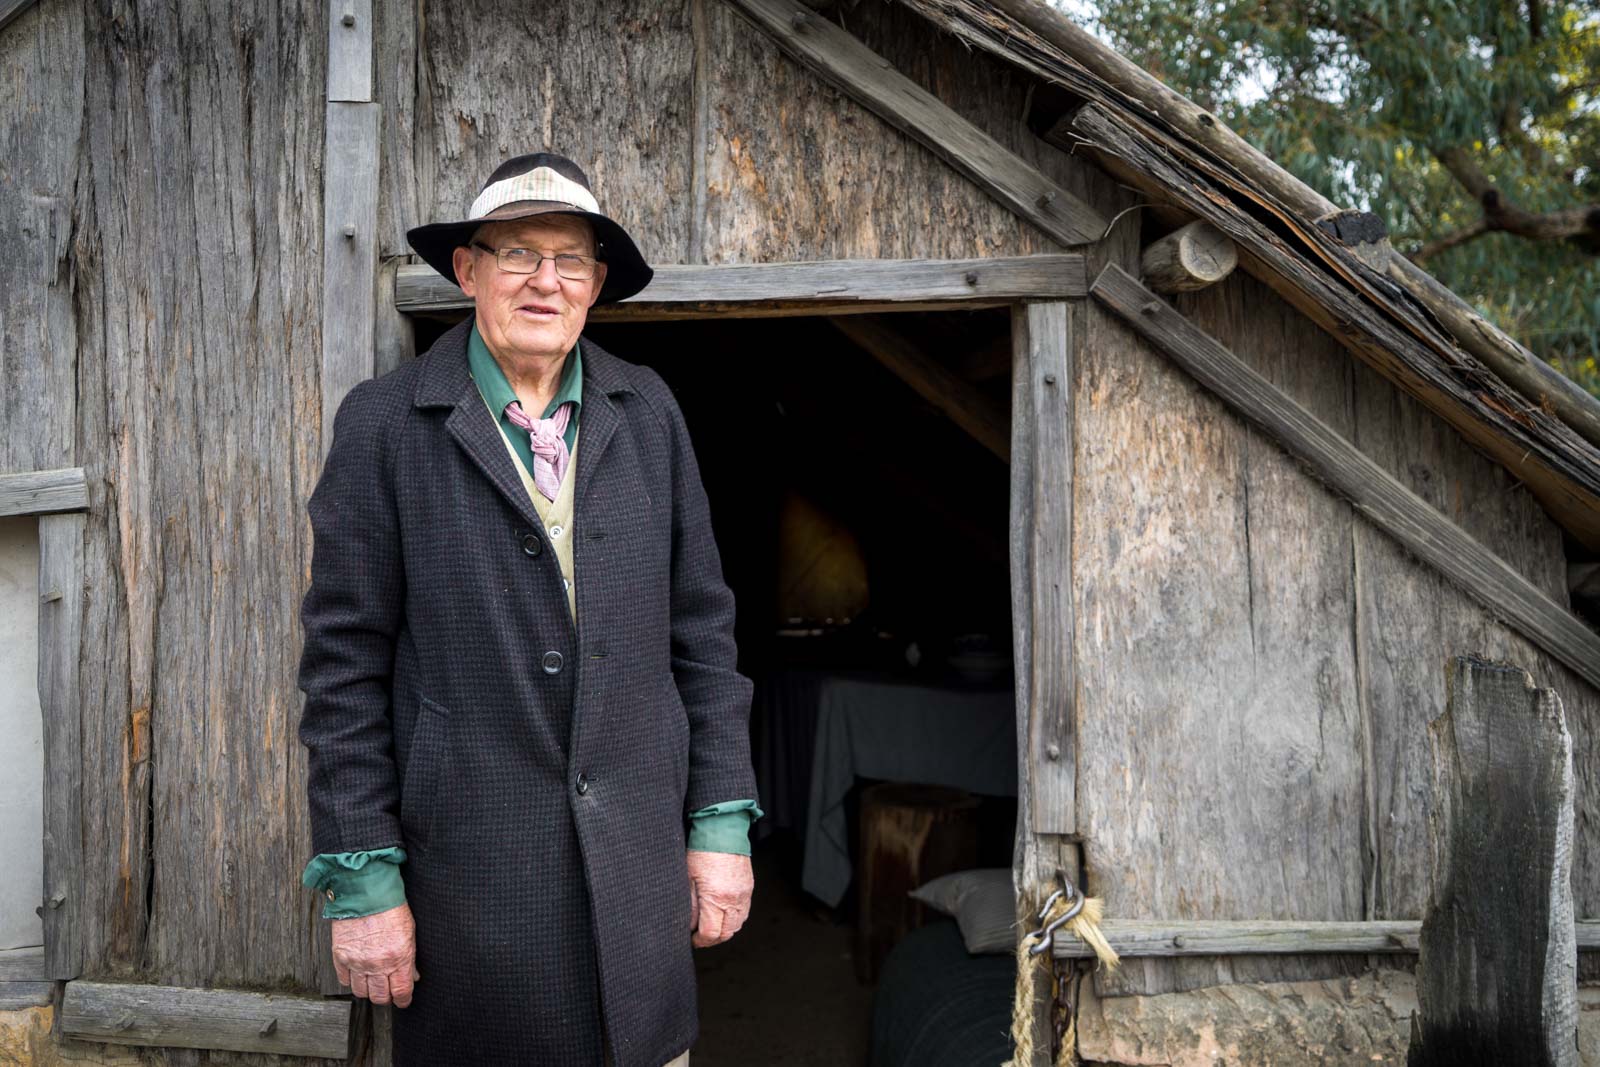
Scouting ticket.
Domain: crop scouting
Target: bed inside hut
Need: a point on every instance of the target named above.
(864, 534)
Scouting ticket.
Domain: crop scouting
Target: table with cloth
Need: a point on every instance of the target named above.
(891, 729)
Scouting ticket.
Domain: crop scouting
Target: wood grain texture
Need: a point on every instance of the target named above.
(986, 422)
(872, 80)
(349, 252)
(796, 169)
(63, 596)
(42, 67)
(43, 492)
(1402, 343)
(1218, 706)
(1136, 938)
(198, 271)
(350, 51)
(11, 10)
(815, 287)
(468, 86)
(174, 1017)
(1497, 977)
(1379, 497)
(22, 964)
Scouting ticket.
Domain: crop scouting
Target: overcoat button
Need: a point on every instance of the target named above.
(532, 545)
(583, 784)
(552, 662)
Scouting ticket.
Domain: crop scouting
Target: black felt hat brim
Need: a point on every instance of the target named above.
(626, 270)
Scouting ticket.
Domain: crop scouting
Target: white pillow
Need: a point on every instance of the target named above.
(982, 904)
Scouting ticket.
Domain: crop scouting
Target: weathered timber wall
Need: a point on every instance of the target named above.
(704, 138)
(157, 307)
(1257, 664)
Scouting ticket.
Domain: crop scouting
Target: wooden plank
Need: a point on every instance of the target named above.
(350, 51)
(62, 601)
(171, 1016)
(14, 995)
(1497, 974)
(10, 10)
(872, 80)
(1375, 493)
(349, 253)
(1158, 938)
(969, 409)
(819, 287)
(22, 964)
(1402, 343)
(43, 492)
(1045, 344)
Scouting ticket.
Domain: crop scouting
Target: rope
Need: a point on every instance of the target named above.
(1086, 927)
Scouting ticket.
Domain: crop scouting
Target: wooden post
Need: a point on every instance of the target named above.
(1497, 977)
(1193, 257)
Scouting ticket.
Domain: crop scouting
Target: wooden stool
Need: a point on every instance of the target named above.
(909, 834)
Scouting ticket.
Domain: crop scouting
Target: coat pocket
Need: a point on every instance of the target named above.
(419, 793)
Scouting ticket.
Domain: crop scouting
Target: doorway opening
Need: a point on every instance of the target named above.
(865, 536)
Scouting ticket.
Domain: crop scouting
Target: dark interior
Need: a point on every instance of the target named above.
(861, 530)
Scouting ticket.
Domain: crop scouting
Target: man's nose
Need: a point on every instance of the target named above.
(545, 279)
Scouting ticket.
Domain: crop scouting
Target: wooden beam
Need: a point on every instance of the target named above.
(62, 600)
(11, 10)
(1399, 341)
(349, 253)
(821, 287)
(43, 492)
(1189, 258)
(1043, 341)
(960, 401)
(1497, 975)
(872, 81)
(1374, 492)
(1060, 51)
(350, 51)
(129, 1014)
(1214, 937)
(22, 979)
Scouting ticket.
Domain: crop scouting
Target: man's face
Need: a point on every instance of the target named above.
(538, 314)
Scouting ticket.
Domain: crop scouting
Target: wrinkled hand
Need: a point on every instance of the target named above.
(720, 885)
(375, 955)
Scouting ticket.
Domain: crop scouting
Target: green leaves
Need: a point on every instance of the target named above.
(1357, 97)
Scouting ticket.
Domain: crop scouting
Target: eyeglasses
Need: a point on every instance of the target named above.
(569, 265)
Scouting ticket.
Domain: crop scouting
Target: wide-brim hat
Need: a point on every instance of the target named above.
(541, 183)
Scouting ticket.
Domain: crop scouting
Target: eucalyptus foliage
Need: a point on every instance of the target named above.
(1360, 98)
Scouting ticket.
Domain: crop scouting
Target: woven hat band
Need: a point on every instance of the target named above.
(540, 183)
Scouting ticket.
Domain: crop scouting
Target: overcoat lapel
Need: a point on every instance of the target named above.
(447, 383)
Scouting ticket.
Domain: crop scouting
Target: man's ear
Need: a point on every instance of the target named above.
(599, 282)
(463, 260)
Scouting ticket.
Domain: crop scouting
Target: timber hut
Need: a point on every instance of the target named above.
(1102, 504)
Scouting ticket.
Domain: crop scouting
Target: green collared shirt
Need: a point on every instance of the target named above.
(354, 884)
(497, 393)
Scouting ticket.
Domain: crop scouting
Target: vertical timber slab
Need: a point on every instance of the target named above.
(349, 254)
(350, 51)
(1042, 360)
(1042, 336)
(1497, 975)
(61, 605)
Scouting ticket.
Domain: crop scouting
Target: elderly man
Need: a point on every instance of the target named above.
(530, 779)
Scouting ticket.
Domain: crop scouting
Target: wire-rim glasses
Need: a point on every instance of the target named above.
(569, 265)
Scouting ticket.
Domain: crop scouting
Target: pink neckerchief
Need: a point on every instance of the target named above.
(550, 455)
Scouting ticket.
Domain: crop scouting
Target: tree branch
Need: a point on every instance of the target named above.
(1580, 225)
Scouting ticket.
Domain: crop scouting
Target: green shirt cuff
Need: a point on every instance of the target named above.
(357, 883)
(723, 827)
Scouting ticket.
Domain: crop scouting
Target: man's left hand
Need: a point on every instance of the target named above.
(720, 884)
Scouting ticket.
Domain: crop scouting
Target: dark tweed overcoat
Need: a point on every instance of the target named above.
(538, 774)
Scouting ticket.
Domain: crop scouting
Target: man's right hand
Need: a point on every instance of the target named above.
(376, 955)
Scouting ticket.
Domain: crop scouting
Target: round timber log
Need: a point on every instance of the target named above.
(1190, 258)
(909, 834)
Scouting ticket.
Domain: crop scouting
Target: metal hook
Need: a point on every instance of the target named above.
(1047, 936)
